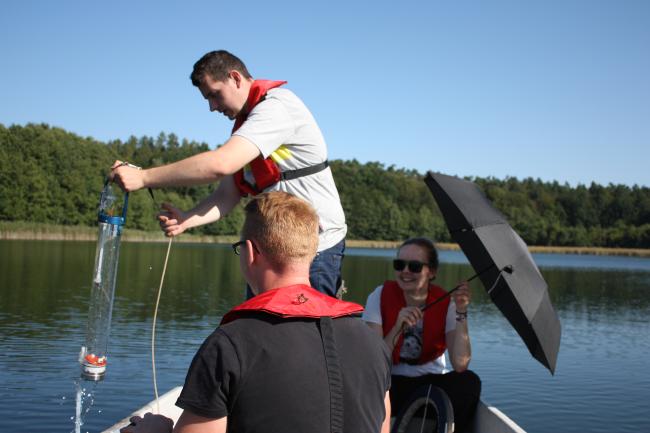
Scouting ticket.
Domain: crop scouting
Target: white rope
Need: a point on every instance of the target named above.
(489, 292)
(426, 406)
(153, 328)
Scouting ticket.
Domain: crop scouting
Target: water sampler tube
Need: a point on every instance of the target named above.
(93, 354)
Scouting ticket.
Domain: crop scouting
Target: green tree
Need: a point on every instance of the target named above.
(51, 175)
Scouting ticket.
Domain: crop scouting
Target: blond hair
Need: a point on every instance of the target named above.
(283, 227)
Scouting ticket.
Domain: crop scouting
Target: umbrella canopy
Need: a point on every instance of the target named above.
(491, 246)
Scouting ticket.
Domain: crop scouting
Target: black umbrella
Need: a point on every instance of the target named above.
(502, 262)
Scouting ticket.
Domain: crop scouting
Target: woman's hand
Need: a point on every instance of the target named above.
(171, 220)
(462, 297)
(408, 316)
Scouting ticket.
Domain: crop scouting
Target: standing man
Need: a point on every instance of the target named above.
(290, 359)
(275, 145)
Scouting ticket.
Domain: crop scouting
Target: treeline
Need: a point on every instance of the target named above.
(49, 175)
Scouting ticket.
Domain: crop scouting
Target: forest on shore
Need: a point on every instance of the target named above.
(49, 175)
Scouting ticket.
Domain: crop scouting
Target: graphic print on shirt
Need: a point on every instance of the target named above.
(412, 346)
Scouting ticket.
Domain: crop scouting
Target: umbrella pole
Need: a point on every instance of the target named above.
(507, 268)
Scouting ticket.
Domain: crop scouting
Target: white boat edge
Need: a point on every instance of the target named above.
(488, 419)
(166, 403)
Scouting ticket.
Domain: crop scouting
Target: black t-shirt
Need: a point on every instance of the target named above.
(268, 374)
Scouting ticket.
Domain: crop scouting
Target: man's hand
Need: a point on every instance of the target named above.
(127, 177)
(171, 220)
(149, 424)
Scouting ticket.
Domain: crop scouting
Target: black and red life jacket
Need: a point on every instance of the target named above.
(303, 301)
(435, 318)
(298, 300)
(265, 171)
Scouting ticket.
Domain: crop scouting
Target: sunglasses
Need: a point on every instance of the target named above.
(413, 265)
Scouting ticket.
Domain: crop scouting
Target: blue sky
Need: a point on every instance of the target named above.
(553, 89)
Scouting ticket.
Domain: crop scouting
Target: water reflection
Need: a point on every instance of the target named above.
(44, 289)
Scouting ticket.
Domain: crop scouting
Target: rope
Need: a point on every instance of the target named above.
(489, 292)
(153, 327)
(426, 406)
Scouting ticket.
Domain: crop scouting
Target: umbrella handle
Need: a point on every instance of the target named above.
(507, 268)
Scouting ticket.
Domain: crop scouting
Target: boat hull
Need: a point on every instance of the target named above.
(488, 419)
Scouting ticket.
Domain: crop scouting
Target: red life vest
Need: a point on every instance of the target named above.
(435, 318)
(295, 301)
(265, 171)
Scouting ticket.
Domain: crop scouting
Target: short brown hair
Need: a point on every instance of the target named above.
(283, 226)
(217, 64)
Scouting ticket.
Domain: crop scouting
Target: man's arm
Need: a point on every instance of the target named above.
(199, 169)
(187, 423)
(173, 221)
(191, 423)
(385, 426)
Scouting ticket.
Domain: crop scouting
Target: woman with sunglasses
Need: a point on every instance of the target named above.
(418, 331)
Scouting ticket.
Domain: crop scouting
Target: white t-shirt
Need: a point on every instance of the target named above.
(412, 345)
(283, 128)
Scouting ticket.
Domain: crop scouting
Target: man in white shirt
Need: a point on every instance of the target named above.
(275, 145)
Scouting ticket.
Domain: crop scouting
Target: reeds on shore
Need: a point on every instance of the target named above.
(19, 230)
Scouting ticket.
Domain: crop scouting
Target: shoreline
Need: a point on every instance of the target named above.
(46, 232)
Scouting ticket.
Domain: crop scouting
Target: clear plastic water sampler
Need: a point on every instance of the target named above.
(111, 219)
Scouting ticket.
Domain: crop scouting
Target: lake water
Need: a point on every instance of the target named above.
(601, 382)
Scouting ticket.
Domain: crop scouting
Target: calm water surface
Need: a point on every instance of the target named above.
(601, 383)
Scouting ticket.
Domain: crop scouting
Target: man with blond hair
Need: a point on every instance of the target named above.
(290, 359)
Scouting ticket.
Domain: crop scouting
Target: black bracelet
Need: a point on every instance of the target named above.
(461, 316)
